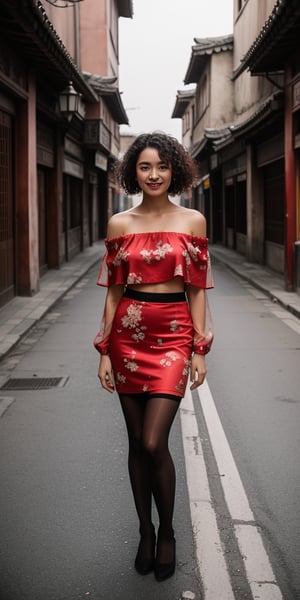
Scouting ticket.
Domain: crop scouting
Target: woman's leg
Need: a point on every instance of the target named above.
(159, 416)
(140, 478)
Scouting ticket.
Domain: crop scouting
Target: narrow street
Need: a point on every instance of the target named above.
(68, 527)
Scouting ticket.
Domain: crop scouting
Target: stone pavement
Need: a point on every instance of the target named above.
(19, 315)
(259, 276)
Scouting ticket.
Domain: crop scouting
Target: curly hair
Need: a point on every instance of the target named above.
(184, 169)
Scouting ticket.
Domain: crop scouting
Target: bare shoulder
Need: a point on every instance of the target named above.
(195, 221)
(117, 224)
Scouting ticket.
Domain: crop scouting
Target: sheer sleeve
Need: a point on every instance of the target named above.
(198, 265)
(202, 342)
(102, 339)
(103, 278)
(115, 262)
(101, 343)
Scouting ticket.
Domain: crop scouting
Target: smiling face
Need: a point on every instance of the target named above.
(153, 175)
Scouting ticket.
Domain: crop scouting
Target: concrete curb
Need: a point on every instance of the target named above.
(22, 313)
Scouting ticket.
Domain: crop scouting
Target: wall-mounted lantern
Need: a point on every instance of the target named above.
(70, 102)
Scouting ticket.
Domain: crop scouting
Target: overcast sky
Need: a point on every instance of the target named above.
(155, 49)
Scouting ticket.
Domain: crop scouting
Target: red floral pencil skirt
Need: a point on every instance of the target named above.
(151, 344)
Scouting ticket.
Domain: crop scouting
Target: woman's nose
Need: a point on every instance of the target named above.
(153, 174)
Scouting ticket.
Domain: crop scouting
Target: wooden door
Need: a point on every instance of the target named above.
(7, 242)
(42, 204)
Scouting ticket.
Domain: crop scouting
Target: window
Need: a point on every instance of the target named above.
(202, 97)
(274, 202)
(186, 121)
(75, 202)
(241, 204)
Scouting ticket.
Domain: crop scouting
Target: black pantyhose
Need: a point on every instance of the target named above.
(151, 467)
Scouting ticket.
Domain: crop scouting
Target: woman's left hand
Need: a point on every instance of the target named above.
(105, 373)
(198, 370)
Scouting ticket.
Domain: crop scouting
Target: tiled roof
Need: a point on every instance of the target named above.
(215, 139)
(125, 8)
(27, 25)
(271, 104)
(198, 147)
(203, 49)
(183, 99)
(213, 44)
(278, 38)
(107, 88)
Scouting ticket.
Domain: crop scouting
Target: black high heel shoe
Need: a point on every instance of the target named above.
(143, 564)
(162, 570)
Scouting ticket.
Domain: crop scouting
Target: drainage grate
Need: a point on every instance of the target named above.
(34, 383)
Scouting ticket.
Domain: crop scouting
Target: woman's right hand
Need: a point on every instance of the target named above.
(105, 373)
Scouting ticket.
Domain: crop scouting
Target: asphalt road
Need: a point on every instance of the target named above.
(254, 376)
(68, 529)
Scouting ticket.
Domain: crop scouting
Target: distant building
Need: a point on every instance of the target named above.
(209, 104)
(56, 159)
(248, 154)
(126, 201)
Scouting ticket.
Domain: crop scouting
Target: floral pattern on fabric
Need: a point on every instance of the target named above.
(132, 320)
(169, 358)
(121, 255)
(158, 254)
(130, 363)
(151, 345)
(120, 378)
(134, 278)
(173, 325)
(130, 259)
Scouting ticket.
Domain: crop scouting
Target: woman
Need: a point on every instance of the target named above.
(153, 330)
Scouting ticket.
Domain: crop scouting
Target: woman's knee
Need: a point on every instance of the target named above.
(136, 444)
(154, 447)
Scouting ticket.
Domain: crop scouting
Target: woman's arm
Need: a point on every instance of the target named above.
(197, 304)
(113, 297)
(105, 374)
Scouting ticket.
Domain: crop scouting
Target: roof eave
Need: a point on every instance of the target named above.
(179, 110)
(125, 8)
(106, 88)
(46, 47)
(217, 139)
(116, 108)
(182, 102)
(195, 69)
(198, 148)
(260, 58)
(272, 104)
(202, 52)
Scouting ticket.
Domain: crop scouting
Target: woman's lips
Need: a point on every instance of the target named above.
(154, 186)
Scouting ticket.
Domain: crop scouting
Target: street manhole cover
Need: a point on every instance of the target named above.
(34, 383)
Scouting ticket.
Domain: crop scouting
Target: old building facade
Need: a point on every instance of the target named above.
(60, 110)
(248, 186)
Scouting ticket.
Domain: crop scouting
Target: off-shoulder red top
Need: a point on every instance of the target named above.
(155, 257)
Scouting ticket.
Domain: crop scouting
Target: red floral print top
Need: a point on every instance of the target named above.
(155, 257)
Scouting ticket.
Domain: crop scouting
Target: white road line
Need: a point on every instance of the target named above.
(288, 319)
(5, 402)
(258, 567)
(209, 552)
